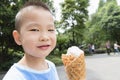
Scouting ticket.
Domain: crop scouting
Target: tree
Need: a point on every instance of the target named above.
(74, 15)
(104, 23)
(112, 25)
(110, 22)
(101, 4)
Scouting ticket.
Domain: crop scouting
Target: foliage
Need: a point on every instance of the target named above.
(8, 59)
(103, 25)
(56, 59)
(101, 3)
(112, 25)
(111, 20)
(73, 19)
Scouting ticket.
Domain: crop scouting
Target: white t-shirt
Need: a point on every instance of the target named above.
(93, 47)
(115, 46)
(19, 72)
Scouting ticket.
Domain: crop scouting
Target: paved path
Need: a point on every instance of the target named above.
(99, 67)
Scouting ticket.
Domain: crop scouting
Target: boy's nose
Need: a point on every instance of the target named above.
(44, 37)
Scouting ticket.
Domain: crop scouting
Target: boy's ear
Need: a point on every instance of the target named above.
(16, 37)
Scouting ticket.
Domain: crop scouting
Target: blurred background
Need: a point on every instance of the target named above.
(78, 23)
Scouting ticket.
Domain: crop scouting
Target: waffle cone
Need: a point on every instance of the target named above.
(74, 66)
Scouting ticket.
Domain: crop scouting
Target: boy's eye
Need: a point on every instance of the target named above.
(34, 30)
(51, 30)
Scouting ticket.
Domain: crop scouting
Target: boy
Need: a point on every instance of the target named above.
(35, 32)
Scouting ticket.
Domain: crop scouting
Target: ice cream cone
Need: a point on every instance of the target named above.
(74, 66)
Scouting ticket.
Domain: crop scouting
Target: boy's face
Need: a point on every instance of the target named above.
(37, 33)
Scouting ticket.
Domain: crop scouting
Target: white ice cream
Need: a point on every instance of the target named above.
(74, 50)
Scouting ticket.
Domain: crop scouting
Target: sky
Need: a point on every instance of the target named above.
(91, 9)
(94, 5)
(57, 8)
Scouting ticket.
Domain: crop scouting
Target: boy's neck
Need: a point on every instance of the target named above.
(34, 63)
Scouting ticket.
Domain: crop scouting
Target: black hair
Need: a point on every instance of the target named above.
(34, 3)
(37, 3)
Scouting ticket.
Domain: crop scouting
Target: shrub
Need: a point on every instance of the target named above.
(55, 59)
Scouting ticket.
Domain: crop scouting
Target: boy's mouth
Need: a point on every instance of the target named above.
(43, 47)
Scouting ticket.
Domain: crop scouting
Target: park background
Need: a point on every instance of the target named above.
(75, 27)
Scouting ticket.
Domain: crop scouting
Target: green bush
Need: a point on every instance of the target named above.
(55, 59)
(15, 56)
(8, 59)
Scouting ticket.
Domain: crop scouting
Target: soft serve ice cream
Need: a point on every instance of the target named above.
(74, 50)
(74, 63)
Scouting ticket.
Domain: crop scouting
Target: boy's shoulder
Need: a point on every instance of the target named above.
(13, 74)
(50, 63)
(15, 71)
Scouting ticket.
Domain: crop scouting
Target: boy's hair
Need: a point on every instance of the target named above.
(35, 4)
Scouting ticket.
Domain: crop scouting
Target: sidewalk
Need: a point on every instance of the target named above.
(99, 67)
